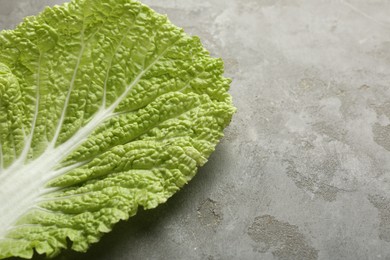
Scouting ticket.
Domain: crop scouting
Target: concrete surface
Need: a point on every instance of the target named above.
(304, 169)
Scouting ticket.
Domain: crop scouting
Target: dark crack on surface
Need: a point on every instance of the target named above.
(209, 213)
(381, 135)
(283, 239)
(380, 131)
(311, 183)
(383, 206)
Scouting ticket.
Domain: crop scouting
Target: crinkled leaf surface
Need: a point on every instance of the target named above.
(105, 106)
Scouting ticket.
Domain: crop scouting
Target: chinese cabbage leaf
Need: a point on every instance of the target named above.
(105, 106)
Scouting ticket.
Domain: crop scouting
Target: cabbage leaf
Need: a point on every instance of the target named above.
(105, 106)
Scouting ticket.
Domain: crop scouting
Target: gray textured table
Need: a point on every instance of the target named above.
(304, 169)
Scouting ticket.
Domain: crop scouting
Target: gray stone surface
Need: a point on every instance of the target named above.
(303, 171)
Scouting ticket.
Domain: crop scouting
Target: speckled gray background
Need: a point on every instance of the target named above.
(303, 171)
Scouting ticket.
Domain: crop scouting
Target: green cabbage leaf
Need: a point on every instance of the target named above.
(105, 106)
